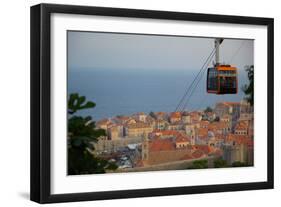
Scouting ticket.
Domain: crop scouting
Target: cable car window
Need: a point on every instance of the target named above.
(227, 85)
(227, 72)
(212, 82)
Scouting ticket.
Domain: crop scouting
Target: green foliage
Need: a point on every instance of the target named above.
(82, 133)
(220, 163)
(83, 162)
(199, 164)
(152, 114)
(208, 109)
(217, 119)
(84, 129)
(249, 89)
(239, 164)
(76, 102)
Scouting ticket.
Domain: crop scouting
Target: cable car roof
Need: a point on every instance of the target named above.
(225, 67)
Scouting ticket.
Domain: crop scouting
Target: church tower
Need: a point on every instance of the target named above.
(194, 135)
(145, 146)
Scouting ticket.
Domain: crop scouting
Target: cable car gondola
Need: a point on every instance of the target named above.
(221, 79)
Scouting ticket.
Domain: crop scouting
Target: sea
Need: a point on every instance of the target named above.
(125, 92)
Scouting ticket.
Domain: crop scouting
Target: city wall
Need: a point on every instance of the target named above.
(176, 165)
(112, 145)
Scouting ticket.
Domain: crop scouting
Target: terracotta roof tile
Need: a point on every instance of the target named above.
(197, 154)
(161, 145)
(205, 148)
(240, 139)
(182, 138)
(242, 125)
(175, 115)
(203, 132)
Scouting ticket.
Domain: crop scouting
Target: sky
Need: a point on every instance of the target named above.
(91, 50)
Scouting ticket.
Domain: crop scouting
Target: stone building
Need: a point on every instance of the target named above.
(141, 116)
(113, 133)
(238, 148)
(137, 129)
(182, 141)
(235, 153)
(161, 124)
(186, 118)
(241, 128)
(175, 117)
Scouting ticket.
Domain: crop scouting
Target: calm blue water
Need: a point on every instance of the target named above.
(123, 92)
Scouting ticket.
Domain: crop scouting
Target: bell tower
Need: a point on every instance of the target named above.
(145, 146)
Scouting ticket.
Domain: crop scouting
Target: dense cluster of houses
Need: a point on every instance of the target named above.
(225, 131)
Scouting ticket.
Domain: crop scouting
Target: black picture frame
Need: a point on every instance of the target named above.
(41, 95)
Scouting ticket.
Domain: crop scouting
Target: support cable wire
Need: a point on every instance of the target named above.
(189, 92)
(195, 87)
(195, 79)
(236, 52)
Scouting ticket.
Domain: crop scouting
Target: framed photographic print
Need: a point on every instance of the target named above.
(133, 103)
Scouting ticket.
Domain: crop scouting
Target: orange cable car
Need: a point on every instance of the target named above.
(221, 79)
